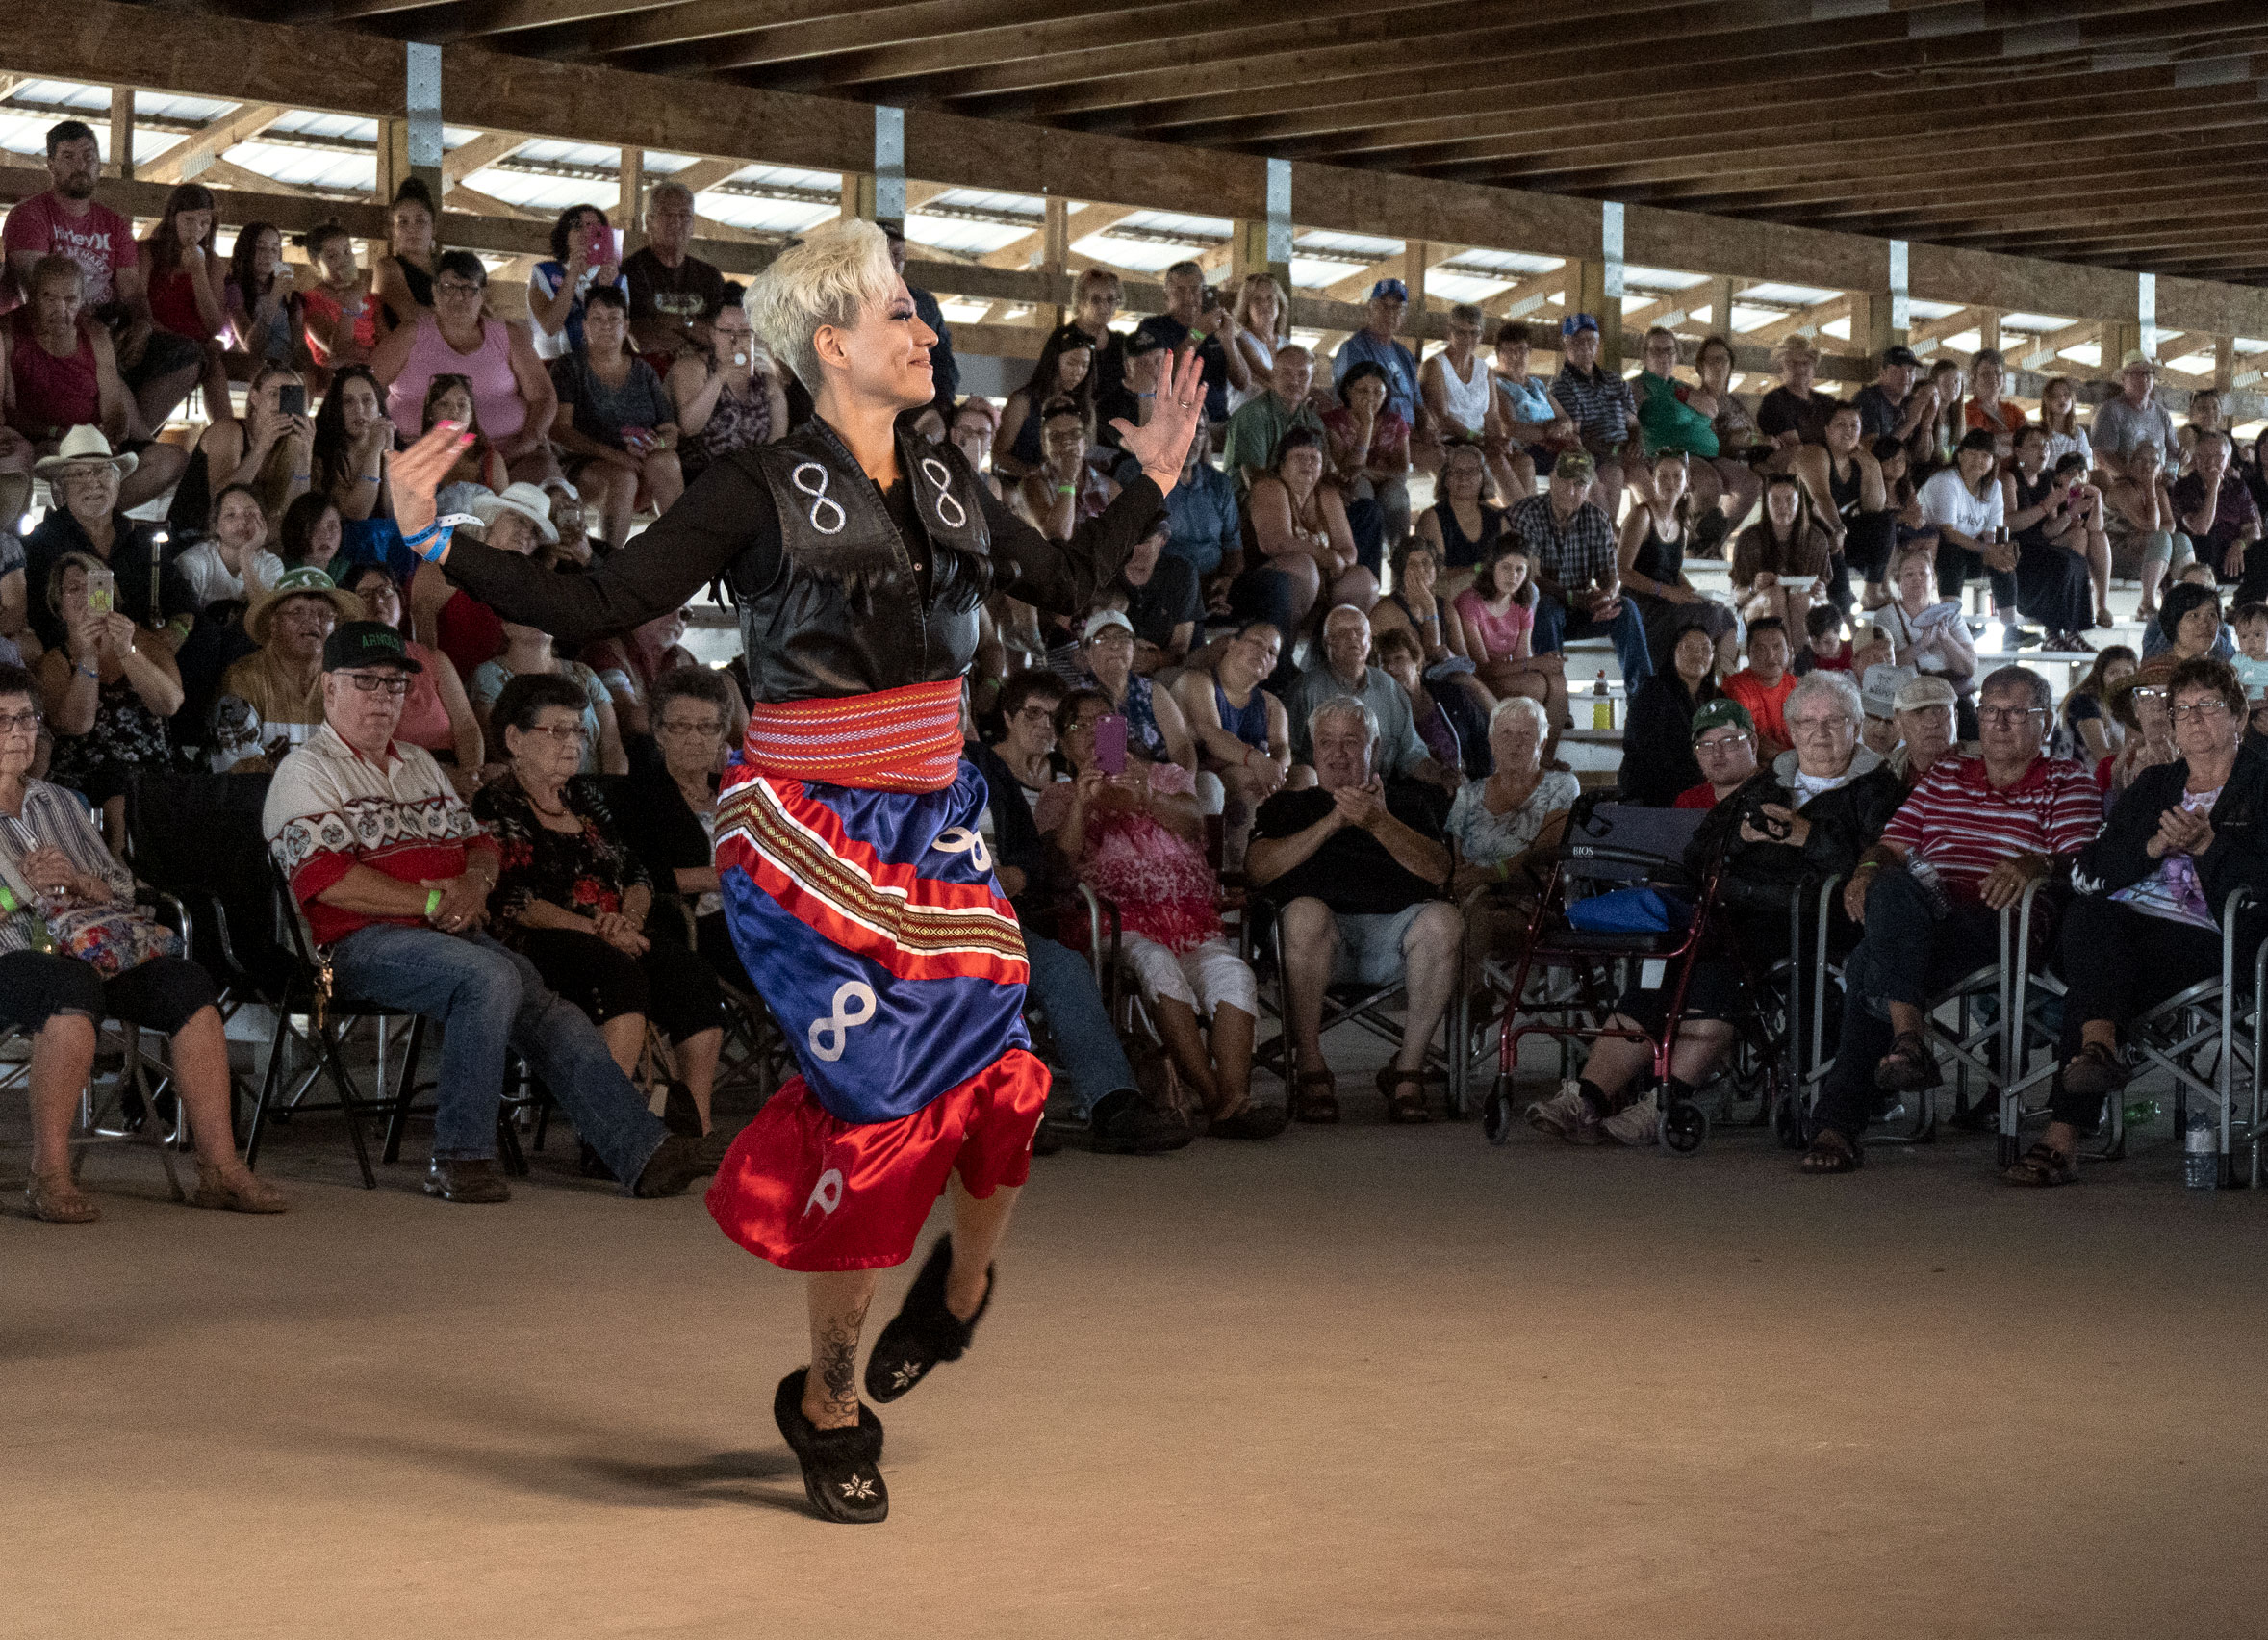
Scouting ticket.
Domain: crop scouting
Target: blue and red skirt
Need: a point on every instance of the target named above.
(863, 904)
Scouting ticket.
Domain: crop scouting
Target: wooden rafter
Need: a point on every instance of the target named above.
(191, 155)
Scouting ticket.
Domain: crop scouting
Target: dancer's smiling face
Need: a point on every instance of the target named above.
(884, 356)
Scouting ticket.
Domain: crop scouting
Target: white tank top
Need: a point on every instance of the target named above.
(1468, 400)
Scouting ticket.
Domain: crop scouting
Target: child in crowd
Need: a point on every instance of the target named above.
(1827, 650)
(2250, 622)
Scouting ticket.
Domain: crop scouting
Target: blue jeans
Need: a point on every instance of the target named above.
(1555, 623)
(487, 998)
(1063, 988)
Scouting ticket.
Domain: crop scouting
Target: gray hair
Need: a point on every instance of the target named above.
(2010, 680)
(660, 190)
(1466, 313)
(1344, 707)
(1526, 705)
(1813, 684)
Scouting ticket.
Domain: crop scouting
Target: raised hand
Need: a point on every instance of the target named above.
(1163, 444)
(412, 476)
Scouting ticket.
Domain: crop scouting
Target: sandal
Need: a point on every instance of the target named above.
(247, 1192)
(1310, 1107)
(1909, 1066)
(2097, 1073)
(1832, 1153)
(2043, 1166)
(54, 1199)
(1408, 1108)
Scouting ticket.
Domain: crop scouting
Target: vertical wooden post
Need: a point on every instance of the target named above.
(2223, 363)
(1988, 331)
(394, 158)
(858, 194)
(1590, 297)
(2120, 337)
(122, 164)
(1721, 291)
(1055, 254)
(1871, 329)
(629, 207)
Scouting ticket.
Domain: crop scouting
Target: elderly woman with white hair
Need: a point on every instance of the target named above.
(1807, 817)
(859, 892)
(1504, 826)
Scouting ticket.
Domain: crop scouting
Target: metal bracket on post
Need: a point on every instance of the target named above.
(889, 165)
(2146, 311)
(1609, 286)
(1902, 298)
(1279, 216)
(423, 86)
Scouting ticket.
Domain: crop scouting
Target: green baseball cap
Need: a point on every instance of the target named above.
(1576, 467)
(1722, 714)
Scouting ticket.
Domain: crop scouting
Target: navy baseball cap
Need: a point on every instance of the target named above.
(1575, 322)
(1392, 288)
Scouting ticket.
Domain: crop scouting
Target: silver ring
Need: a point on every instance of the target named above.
(1187, 402)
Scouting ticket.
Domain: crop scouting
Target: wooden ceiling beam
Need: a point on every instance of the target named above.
(1896, 166)
(703, 35)
(2013, 197)
(450, 22)
(1171, 44)
(1668, 148)
(1508, 75)
(240, 124)
(477, 155)
(918, 47)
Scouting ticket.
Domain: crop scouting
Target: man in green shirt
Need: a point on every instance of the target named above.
(1259, 426)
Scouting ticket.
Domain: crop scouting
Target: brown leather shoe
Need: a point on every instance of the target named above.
(54, 1199)
(674, 1165)
(473, 1180)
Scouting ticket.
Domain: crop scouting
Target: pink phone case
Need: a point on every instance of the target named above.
(1110, 744)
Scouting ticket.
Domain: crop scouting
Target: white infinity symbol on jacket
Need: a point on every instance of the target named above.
(819, 497)
(934, 471)
(960, 839)
(838, 1025)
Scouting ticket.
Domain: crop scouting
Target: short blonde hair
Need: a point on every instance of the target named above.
(827, 279)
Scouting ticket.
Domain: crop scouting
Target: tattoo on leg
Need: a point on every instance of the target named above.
(838, 1361)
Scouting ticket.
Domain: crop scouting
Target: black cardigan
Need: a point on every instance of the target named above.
(2119, 858)
(1658, 759)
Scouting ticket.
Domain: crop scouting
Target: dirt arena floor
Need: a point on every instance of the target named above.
(1370, 1381)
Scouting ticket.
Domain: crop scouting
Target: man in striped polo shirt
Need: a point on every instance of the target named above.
(1968, 840)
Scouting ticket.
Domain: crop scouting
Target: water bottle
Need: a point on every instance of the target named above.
(2201, 1150)
(2142, 1112)
(1602, 705)
(36, 929)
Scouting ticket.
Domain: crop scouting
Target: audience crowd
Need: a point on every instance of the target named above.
(1310, 708)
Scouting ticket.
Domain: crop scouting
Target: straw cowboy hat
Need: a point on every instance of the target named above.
(305, 581)
(525, 500)
(84, 444)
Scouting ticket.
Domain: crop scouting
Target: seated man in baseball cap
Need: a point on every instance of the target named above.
(392, 873)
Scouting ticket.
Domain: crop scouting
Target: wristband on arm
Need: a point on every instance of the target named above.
(432, 903)
(431, 543)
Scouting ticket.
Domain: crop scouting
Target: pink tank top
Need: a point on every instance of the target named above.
(52, 395)
(496, 392)
(1501, 633)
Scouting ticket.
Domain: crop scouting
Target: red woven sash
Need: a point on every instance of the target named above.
(904, 739)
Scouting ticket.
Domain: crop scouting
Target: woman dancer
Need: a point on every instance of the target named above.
(861, 898)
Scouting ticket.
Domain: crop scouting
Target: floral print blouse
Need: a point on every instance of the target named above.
(1164, 889)
(585, 872)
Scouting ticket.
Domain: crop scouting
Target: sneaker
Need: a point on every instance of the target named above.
(1635, 1123)
(1253, 1121)
(1124, 1124)
(1565, 1112)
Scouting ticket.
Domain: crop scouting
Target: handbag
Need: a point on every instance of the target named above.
(1630, 910)
(112, 939)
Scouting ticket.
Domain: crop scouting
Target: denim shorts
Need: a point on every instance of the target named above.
(1370, 945)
